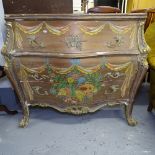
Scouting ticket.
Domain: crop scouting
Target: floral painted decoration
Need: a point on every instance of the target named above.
(75, 86)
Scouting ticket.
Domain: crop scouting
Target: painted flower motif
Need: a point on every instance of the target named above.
(95, 90)
(81, 80)
(70, 80)
(75, 86)
(53, 91)
(62, 92)
(68, 91)
(87, 88)
(79, 95)
(75, 76)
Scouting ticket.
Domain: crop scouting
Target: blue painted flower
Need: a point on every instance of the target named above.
(75, 61)
(81, 80)
(53, 91)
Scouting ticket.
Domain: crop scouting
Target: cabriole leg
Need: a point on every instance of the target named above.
(25, 120)
(128, 114)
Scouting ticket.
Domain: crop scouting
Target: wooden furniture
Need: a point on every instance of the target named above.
(104, 9)
(75, 63)
(3, 107)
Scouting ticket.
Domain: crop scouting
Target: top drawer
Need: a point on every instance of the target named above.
(75, 37)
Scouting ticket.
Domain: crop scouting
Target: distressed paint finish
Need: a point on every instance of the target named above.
(76, 63)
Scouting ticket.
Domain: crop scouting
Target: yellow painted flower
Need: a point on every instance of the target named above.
(95, 90)
(62, 92)
(70, 80)
(87, 88)
(79, 95)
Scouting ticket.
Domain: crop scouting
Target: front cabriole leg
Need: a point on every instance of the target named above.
(25, 120)
(128, 114)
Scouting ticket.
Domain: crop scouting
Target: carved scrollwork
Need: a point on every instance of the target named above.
(77, 110)
(38, 77)
(74, 41)
(112, 89)
(8, 47)
(116, 42)
(33, 42)
(142, 59)
(142, 45)
(39, 91)
(114, 75)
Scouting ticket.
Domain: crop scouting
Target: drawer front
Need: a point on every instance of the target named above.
(86, 81)
(76, 36)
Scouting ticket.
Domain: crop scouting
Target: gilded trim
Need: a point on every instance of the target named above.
(142, 59)
(79, 110)
(142, 45)
(32, 30)
(91, 30)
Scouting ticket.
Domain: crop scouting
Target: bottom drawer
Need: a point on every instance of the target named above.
(89, 82)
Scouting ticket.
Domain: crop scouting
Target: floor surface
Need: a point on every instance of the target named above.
(102, 133)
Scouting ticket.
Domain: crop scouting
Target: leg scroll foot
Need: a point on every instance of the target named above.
(25, 120)
(128, 114)
(131, 121)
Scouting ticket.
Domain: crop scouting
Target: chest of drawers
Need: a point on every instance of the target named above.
(75, 63)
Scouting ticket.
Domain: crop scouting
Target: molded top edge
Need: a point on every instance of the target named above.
(111, 16)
